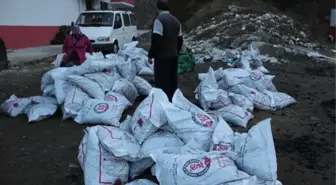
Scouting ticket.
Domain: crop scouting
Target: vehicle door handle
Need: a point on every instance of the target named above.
(123, 29)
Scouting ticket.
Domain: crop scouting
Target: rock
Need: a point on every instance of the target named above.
(244, 45)
(303, 34)
(73, 165)
(268, 49)
(207, 59)
(216, 39)
(315, 119)
(263, 36)
(238, 41)
(273, 60)
(233, 8)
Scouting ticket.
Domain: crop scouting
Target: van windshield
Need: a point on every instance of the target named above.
(95, 19)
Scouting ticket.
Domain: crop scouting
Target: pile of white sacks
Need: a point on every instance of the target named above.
(89, 92)
(233, 93)
(180, 142)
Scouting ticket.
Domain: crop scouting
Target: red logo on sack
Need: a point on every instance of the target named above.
(197, 168)
(111, 98)
(162, 133)
(109, 72)
(118, 182)
(255, 76)
(223, 146)
(102, 107)
(140, 122)
(202, 120)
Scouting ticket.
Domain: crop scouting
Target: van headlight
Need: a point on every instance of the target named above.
(101, 39)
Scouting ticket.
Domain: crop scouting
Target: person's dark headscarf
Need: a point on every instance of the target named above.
(163, 5)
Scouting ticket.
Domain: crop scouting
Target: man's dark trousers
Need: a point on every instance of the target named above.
(165, 74)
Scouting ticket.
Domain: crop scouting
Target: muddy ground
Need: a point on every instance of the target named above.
(304, 133)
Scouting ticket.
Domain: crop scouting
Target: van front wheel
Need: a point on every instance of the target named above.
(134, 39)
(115, 48)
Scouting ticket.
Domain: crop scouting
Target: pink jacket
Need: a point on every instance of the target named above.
(82, 45)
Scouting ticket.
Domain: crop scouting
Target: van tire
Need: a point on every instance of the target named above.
(115, 47)
(134, 39)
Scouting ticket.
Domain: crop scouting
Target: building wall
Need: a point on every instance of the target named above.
(123, 1)
(115, 4)
(34, 23)
(117, 1)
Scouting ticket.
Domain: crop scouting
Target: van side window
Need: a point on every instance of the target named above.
(130, 15)
(117, 21)
(126, 18)
(133, 20)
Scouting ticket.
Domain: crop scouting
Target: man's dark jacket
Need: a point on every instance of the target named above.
(166, 37)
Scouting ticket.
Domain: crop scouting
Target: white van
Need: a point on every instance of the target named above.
(108, 29)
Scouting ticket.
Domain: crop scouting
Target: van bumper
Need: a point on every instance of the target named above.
(103, 47)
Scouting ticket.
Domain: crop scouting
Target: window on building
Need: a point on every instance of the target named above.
(126, 19)
(95, 19)
(103, 6)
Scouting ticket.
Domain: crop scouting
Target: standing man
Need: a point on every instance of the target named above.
(166, 44)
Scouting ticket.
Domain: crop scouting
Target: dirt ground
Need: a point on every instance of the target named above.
(304, 133)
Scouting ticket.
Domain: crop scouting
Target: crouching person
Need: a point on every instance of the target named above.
(74, 47)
